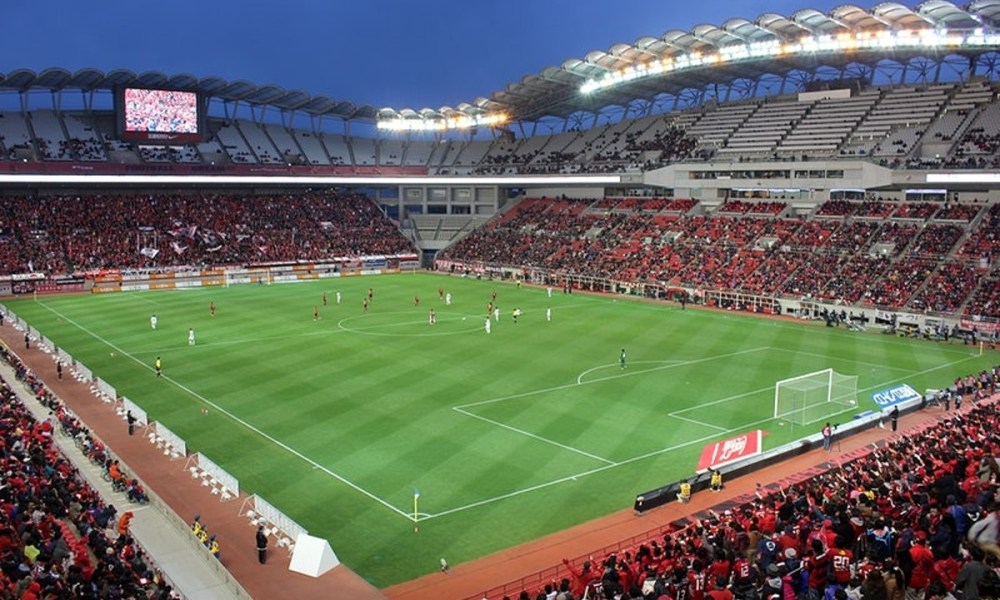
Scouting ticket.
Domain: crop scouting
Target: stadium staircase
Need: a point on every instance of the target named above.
(35, 150)
(849, 138)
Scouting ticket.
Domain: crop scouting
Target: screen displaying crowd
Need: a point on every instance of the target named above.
(161, 111)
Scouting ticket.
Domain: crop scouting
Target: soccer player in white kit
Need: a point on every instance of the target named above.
(488, 325)
(191, 337)
(152, 321)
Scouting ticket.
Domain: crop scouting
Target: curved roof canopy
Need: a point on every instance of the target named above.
(556, 90)
(57, 79)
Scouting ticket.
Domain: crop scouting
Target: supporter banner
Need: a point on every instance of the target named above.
(27, 276)
(56, 286)
(980, 326)
(894, 395)
(722, 453)
(23, 287)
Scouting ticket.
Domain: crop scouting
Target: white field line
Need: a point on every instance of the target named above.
(535, 436)
(339, 330)
(826, 356)
(653, 453)
(625, 373)
(235, 418)
(697, 422)
(579, 378)
(536, 487)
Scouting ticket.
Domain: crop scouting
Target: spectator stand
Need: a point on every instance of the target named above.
(222, 484)
(85, 527)
(276, 524)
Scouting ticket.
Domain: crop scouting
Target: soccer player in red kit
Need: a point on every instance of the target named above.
(211, 309)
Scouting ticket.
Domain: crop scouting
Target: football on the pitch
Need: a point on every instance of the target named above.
(463, 318)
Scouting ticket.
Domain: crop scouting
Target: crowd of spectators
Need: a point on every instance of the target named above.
(916, 210)
(936, 241)
(65, 234)
(952, 211)
(876, 208)
(609, 151)
(985, 243)
(851, 258)
(917, 517)
(941, 292)
(985, 301)
(58, 537)
(742, 207)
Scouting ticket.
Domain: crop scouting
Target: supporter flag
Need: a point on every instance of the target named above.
(178, 247)
(149, 252)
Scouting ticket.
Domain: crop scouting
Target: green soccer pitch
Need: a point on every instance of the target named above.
(508, 436)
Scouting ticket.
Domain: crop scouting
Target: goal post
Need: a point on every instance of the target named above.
(814, 396)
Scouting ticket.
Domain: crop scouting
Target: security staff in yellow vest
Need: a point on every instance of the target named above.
(685, 493)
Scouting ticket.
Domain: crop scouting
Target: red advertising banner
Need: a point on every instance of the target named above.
(722, 453)
(980, 326)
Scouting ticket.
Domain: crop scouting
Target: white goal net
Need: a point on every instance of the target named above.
(814, 396)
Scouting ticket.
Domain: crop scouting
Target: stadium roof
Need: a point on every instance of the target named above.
(555, 91)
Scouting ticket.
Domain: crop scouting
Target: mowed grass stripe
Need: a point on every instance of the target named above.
(376, 409)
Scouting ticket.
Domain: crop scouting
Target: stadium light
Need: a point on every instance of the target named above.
(442, 123)
(905, 39)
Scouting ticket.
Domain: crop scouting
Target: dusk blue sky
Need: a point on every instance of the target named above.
(403, 54)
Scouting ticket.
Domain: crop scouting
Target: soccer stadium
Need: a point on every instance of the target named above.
(710, 314)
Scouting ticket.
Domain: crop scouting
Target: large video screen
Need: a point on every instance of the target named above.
(161, 116)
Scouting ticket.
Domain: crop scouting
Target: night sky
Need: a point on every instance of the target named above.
(380, 52)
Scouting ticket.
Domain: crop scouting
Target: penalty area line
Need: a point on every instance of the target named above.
(535, 436)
